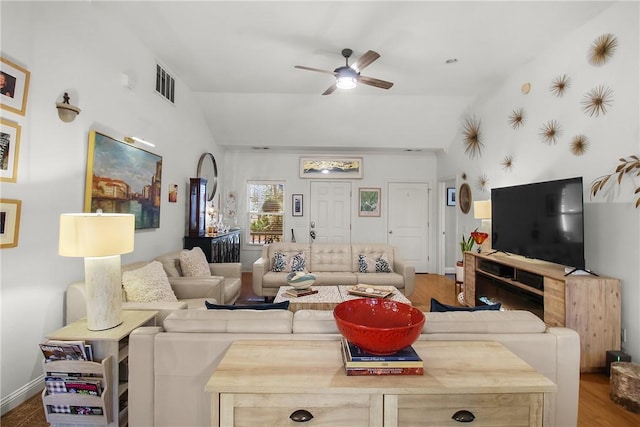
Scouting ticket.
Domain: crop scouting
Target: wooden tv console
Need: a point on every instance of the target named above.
(586, 303)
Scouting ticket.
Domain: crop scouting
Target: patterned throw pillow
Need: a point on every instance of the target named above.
(148, 284)
(193, 263)
(298, 262)
(279, 262)
(373, 265)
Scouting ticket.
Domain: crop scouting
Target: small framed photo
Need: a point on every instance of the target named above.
(9, 149)
(451, 196)
(369, 202)
(296, 202)
(9, 222)
(14, 87)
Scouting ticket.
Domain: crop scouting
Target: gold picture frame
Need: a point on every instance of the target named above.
(9, 222)
(9, 150)
(14, 87)
(331, 167)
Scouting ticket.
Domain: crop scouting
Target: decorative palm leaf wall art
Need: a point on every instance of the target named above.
(602, 49)
(596, 101)
(550, 131)
(507, 162)
(482, 182)
(559, 85)
(630, 166)
(472, 137)
(579, 144)
(517, 118)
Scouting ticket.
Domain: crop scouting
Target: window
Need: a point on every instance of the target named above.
(266, 212)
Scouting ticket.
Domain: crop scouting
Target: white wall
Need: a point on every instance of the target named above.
(74, 47)
(379, 170)
(612, 229)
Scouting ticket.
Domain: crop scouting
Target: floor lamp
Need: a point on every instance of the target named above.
(100, 239)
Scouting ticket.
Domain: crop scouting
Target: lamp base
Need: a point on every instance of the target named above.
(104, 292)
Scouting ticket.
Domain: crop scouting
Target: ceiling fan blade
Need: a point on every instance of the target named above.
(330, 90)
(375, 82)
(366, 59)
(314, 69)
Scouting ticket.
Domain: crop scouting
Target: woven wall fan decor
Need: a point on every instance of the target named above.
(472, 137)
(579, 144)
(549, 132)
(517, 118)
(596, 101)
(559, 85)
(602, 49)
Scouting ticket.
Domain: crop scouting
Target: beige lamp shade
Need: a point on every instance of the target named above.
(482, 209)
(96, 235)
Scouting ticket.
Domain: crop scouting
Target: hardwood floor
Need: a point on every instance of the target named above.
(595, 408)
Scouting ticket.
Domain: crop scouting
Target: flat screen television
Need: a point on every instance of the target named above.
(543, 220)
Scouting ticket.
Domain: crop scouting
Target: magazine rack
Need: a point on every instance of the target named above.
(99, 370)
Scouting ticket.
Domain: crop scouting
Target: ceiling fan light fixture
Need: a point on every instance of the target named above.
(346, 82)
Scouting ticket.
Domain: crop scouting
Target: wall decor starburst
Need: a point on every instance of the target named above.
(464, 176)
(517, 118)
(596, 101)
(482, 182)
(507, 162)
(559, 85)
(549, 132)
(472, 137)
(579, 144)
(602, 49)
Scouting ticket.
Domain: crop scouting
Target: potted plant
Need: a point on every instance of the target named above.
(466, 245)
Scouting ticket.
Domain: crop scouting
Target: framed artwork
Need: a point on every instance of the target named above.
(9, 222)
(451, 196)
(296, 202)
(122, 178)
(331, 167)
(9, 149)
(14, 87)
(369, 202)
(173, 193)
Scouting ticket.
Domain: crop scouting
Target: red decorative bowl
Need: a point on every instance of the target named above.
(379, 326)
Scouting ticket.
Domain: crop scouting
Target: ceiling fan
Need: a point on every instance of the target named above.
(348, 76)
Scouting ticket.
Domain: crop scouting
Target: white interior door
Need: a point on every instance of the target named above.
(330, 212)
(408, 222)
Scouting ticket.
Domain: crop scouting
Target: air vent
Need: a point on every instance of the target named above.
(165, 84)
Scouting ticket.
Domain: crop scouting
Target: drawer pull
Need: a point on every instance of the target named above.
(301, 416)
(463, 416)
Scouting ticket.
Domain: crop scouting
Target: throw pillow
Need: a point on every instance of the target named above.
(379, 264)
(279, 262)
(298, 262)
(437, 306)
(283, 263)
(193, 263)
(148, 284)
(284, 305)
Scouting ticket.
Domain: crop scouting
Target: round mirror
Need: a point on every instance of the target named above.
(208, 170)
(464, 198)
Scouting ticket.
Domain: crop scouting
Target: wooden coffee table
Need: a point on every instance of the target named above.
(327, 298)
(266, 382)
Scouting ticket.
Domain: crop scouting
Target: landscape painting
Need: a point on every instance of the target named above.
(122, 178)
(331, 167)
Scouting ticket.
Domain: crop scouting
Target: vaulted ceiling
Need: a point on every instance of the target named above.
(239, 58)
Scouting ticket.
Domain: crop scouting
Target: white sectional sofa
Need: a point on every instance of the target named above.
(333, 264)
(169, 365)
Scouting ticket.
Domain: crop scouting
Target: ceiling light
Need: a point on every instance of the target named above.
(346, 82)
(451, 61)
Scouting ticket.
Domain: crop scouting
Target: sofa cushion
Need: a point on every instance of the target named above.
(148, 284)
(314, 322)
(437, 306)
(483, 322)
(288, 263)
(194, 263)
(171, 263)
(367, 264)
(229, 321)
(284, 305)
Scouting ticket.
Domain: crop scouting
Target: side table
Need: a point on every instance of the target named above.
(110, 344)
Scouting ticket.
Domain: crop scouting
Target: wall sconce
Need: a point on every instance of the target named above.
(134, 139)
(66, 111)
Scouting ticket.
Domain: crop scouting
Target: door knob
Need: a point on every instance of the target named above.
(390, 231)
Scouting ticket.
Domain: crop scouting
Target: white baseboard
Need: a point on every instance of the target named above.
(22, 394)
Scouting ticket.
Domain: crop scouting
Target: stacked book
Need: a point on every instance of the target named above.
(295, 293)
(359, 362)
